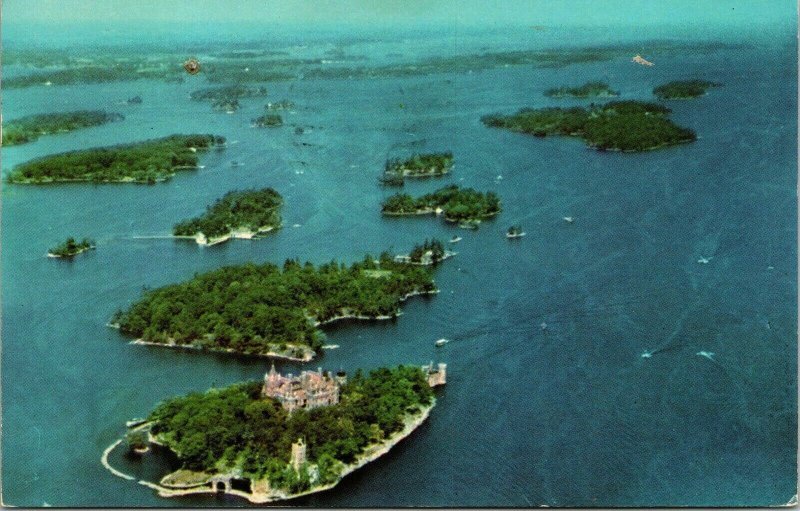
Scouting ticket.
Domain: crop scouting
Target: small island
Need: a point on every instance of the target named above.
(238, 214)
(628, 126)
(283, 104)
(515, 231)
(267, 121)
(285, 436)
(267, 310)
(70, 248)
(462, 205)
(429, 253)
(684, 89)
(31, 127)
(587, 90)
(419, 165)
(145, 162)
(228, 92)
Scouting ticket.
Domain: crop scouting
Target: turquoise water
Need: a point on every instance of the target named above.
(568, 416)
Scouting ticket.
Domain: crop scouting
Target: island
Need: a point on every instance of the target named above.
(149, 162)
(628, 126)
(429, 253)
(463, 205)
(228, 92)
(684, 89)
(285, 436)
(587, 90)
(267, 121)
(267, 310)
(283, 104)
(238, 214)
(418, 165)
(70, 248)
(515, 231)
(31, 127)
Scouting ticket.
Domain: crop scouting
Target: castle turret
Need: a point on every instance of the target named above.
(298, 454)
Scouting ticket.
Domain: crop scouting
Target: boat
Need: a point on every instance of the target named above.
(236, 164)
(569, 219)
(515, 231)
(135, 422)
(455, 239)
(441, 342)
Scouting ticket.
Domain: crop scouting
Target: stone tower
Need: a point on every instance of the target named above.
(298, 454)
(436, 375)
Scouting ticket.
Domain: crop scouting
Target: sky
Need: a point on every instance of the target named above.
(403, 12)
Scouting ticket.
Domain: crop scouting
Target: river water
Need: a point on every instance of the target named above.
(570, 415)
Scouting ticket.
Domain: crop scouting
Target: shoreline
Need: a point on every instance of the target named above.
(384, 317)
(308, 357)
(240, 234)
(370, 454)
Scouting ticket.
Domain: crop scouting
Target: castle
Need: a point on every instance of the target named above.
(436, 375)
(311, 389)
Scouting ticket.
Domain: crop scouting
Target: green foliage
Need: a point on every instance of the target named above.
(432, 164)
(683, 89)
(202, 427)
(70, 247)
(432, 250)
(249, 209)
(457, 203)
(268, 121)
(616, 125)
(29, 128)
(250, 308)
(140, 162)
(136, 440)
(228, 92)
(587, 90)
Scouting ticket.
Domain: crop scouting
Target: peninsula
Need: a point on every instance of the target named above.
(418, 165)
(628, 126)
(238, 214)
(587, 90)
(31, 127)
(684, 89)
(285, 436)
(147, 162)
(266, 310)
(71, 248)
(463, 205)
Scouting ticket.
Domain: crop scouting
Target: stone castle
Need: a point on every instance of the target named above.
(310, 389)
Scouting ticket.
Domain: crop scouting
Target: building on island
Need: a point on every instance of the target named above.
(298, 454)
(437, 375)
(311, 389)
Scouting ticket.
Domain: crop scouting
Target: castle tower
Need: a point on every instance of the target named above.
(298, 454)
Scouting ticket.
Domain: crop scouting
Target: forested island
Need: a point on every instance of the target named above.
(684, 89)
(418, 165)
(241, 441)
(71, 248)
(31, 127)
(267, 121)
(587, 90)
(428, 253)
(238, 214)
(228, 92)
(628, 126)
(457, 204)
(148, 162)
(269, 310)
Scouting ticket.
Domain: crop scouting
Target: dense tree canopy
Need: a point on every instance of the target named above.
(29, 128)
(683, 89)
(252, 308)
(457, 203)
(236, 427)
(617, 125)
(70, 247)
(249, 210)
(141, 162)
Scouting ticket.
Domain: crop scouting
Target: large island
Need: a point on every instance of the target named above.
(463, 205)
(148, 162)
(628, 126)
(266, 310)
(285, 436)
(31, 127)
(238, 214)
